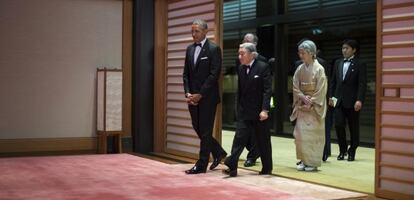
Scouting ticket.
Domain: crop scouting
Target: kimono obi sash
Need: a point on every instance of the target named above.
(308, 88)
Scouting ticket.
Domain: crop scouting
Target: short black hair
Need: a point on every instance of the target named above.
(352, 43)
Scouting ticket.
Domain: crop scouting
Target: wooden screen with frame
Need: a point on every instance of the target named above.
(394, 165)
(173, 133)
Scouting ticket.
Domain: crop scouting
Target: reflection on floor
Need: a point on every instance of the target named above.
(271, 183)
(355, 176)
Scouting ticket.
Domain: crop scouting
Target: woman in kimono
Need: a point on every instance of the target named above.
(309, 108)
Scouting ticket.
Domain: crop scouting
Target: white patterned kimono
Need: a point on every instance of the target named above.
(309, 131)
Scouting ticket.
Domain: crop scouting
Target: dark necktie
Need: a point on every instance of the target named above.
(197, 44)
(247, 69)
(347, 60)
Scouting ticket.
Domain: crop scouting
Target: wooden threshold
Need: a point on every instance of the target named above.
(177, 159)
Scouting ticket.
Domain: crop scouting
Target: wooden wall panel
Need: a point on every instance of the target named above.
(394, 166)
(127, 66)
(172, 120)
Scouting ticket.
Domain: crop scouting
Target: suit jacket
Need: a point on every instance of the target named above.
(353, 87)
(254, 90)
(203, 76)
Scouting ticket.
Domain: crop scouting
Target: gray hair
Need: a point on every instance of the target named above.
(308, 46)
(250, 37)
(250, 47)
(201, 23)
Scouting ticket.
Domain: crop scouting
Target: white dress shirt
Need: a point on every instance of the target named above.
(345, 68)
(198, 50)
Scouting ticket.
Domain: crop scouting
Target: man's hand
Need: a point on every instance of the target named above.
(263, 115)
(358, 106)
(192, 99)
(196, 98)
(189, 100)
(330, 102)
(188, 97)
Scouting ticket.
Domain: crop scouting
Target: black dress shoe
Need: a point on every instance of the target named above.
(341, 156)
(217, 160)
(351, 155)
(230, 172)
(265, 172)
(249, 163)
(325, 157)
(196, 170)
(351, 158)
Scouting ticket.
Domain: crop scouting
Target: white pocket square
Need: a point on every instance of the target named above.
(256, 76)
(203, 58)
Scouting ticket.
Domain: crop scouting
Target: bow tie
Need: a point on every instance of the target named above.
(247, 66)
(348, 60)
(197, 44)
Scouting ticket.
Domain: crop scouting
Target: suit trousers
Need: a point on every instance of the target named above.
(350, 116)
(328, 127)
(202, 118)
(251, 146)
(243, 131)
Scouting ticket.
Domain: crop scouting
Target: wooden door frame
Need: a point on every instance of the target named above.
(127, 12)
(160, 61)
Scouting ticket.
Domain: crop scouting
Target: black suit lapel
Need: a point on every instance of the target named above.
(249, 77)
(253, 71)
(203, 53)
(341, 70)
(192, 50)
(243, 78)
(351, 68)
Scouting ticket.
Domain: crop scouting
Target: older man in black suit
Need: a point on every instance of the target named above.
(251, 146)
(202, 70)
(254, 92)
(347, 94)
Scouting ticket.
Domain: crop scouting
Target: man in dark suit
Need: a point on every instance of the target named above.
(251, 146)
(347, 94)
(254, 92)
(202, 70)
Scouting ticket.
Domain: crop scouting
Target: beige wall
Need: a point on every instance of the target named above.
(49, 52)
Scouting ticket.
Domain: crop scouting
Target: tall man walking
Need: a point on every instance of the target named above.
(202, 70)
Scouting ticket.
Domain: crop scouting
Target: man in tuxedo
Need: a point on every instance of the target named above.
(254, 92)
(251, 145)
(202, 70)
(347, 94)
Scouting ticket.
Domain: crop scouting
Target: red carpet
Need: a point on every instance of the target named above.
(116, 177)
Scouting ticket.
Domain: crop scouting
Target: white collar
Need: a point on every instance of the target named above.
(203, 41)
(352, 57)
(251, 63)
